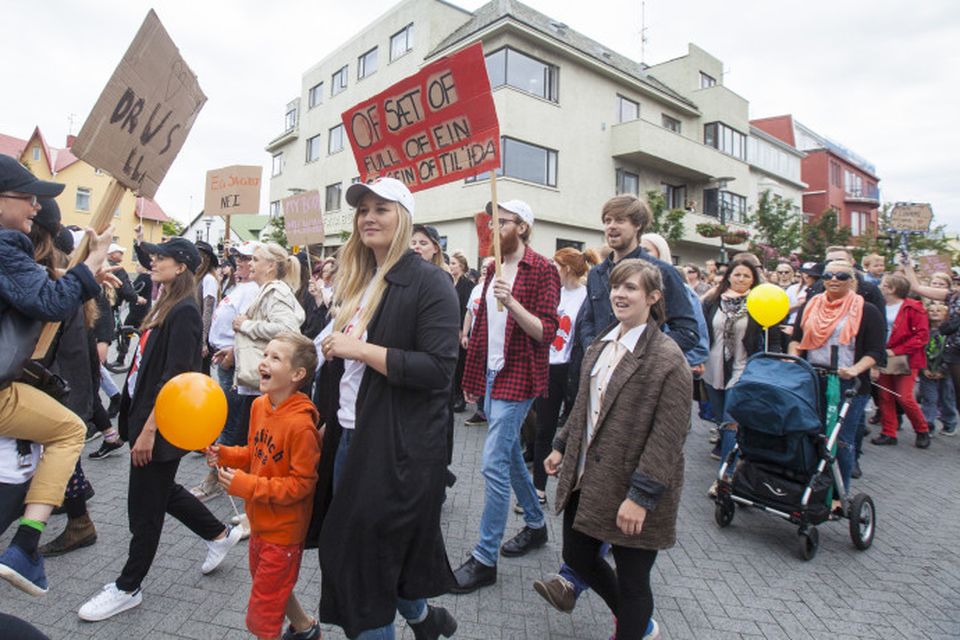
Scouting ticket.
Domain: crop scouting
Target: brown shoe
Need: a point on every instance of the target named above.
(79, 533)
(558, 592)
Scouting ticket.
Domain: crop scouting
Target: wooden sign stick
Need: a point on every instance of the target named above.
(226, 235)
(495, 221)
(101, 220)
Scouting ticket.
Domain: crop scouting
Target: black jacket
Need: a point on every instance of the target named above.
(380, 534)
(464, 288)
(75, 360)
(172, 348)
(142, 286)
(125, 292)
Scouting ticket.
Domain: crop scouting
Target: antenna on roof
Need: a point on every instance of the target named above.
(643, 31)
(71, 120)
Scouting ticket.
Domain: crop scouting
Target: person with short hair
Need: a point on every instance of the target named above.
(694, 279)
(874, 266)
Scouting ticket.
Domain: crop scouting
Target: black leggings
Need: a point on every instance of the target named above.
(548, 414)
(627, 590)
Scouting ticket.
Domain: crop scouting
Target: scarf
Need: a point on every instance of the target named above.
(821, 317)
(733, 309)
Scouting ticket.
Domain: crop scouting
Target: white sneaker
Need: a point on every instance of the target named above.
(217, 549)
(653, 631)
(244, 525)
(208, 489)
(109, 603)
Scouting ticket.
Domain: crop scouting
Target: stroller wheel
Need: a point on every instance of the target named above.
(809, 542)
(723, 512)
(863, 521)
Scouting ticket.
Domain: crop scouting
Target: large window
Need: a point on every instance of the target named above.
(367, 63)
(859, 223)
(338, 81)
(315, 95)
(333, 197)
(628, 182)
(525, 161)
(277, 166)
(725, 139)
(733, 206)
(290, 116)
(853, 184)
(275, 209)
(706, 80)
(674, 196)
(509, 66)
(670, 123)
(627, 109)
(335, 139)
(401, 42)
(313, 148)
(83, 199)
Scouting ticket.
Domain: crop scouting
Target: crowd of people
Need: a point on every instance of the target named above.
(343, 375)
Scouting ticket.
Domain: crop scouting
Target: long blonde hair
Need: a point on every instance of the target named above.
(357, 269)
(288, 267)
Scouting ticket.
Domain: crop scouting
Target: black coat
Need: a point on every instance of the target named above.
(380, 535)
(75, 360)
(172, 348)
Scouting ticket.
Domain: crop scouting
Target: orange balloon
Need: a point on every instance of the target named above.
(191, 410)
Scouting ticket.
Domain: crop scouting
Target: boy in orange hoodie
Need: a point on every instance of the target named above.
(276, 474)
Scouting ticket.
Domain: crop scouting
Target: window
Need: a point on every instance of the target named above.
(509, 66)
(670, 123)
(859, 223)
(675, 196)
(706, 80)
(627, 109)
(333, 197)
(525, 161)
(335, 139)
(277, 167)
(338, 81)
(853, 184)
(83, 199)
(315, 95)
(835, 174)
(628, 182)
(401, 42)
(725, 139)
(367, 63)
(574, 244)
(290, 117)
(275, 209)
(732, 206)
(313, 148)
(36, 153)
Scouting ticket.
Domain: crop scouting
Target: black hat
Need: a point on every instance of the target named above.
(64, 241)
(49, 216)
(812, 269)
(16, 177)
(430, 232)
(180, 249)
(208, 249)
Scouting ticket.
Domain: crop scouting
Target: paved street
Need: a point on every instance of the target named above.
(746, 581)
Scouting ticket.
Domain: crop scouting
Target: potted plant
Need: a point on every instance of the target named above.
(711, 229)
(736, 236)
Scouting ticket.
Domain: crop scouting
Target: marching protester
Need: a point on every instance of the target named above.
(874, 266)
(508, 362)
(468, 323)
(171, 344)
(208, 293)
(384, 395)
(459, 269)
(136, 312)
(695, 280)
(623, 444)
(936, 388)
(314, 311)
(29, 297)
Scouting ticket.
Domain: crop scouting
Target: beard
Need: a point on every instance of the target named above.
(509, 242)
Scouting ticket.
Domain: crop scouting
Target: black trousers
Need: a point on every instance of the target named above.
(11, 502)
(548, 414)
(153, 493)
(627, 590)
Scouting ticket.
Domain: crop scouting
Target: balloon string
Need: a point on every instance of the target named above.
(234, 505)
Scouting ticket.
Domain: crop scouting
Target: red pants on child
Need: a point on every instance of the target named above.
(274, 568)
(902, 385)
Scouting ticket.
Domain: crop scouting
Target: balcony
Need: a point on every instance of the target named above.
(287, 136)
(869, 194)
(645, 144)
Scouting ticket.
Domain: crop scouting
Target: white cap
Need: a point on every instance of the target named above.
(247, 247)
(518, 207)
(115, 247)
(387, 188)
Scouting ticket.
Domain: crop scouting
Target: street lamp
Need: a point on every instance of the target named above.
(722, 206)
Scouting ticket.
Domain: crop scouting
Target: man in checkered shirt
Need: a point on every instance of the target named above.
(507, 363)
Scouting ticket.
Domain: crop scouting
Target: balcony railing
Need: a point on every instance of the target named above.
(868, 192)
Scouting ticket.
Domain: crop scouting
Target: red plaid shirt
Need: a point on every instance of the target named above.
(526, 362)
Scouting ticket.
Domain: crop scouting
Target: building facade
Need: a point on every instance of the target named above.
(579, 123)
(835, 176)
(213, 229)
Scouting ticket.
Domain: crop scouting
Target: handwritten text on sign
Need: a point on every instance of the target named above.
(233, 190)
(302, 218)
(142, 118)
(911, 217)
(431, 128)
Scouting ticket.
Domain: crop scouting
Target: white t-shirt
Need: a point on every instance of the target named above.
(793, 295)
(231, 305)
(10, 470)
(496, 331)
(893, 310)
(210, 286)
(570, 302)
(473, 305)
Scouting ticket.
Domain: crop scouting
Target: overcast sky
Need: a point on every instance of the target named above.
(880, 78)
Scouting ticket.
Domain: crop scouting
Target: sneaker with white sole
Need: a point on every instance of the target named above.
(109, 602)
(217, 549)
(208, 489)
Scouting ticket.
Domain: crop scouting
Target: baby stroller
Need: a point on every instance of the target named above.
(787, 443)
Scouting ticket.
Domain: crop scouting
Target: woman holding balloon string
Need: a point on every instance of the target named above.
(170, 344)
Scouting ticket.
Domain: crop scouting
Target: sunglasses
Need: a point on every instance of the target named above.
(842, 276)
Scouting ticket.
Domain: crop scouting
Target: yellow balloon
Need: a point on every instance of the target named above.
(191, 410)
(768, 304)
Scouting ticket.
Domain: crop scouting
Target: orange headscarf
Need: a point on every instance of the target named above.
(821, 317)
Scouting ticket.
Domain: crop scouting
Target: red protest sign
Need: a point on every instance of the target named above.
(430, 128)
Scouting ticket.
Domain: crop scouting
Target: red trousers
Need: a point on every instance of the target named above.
(888, 403)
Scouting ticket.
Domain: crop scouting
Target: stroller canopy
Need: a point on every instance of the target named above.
(776, 394)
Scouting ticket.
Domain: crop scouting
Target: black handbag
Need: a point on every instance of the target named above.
(18, 339)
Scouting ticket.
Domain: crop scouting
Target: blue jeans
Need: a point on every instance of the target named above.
(409, 609)
(107, 385)
(937, 397)
(503, 468)
(231, 434)
(728, 436)
(849, 430)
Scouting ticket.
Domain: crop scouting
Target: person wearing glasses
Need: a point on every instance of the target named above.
(841, 317)
(692, 274)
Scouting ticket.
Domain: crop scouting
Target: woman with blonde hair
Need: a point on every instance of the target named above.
(384, 395)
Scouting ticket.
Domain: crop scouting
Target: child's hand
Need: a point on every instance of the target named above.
(213, 455)
(225, 477)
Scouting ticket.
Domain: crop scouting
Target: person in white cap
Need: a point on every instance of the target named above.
(508, 360)
(384, 395)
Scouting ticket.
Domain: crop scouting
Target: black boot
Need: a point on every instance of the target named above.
(438, 623)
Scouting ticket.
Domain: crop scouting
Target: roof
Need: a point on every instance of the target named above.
(11, 146)
(497, 10)
(248, 227)
(57, 159)
(149, 209)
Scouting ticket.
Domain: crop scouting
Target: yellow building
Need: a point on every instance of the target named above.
(85, 186)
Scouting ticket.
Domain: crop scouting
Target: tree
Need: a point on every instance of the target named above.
(887, 244)
(277, 232)
(823, 232)
(667, 222)
(172, 227)
(778, 227)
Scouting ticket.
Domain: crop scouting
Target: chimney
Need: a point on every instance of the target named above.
(70, 140)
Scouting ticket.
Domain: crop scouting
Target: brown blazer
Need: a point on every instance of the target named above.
(637, 450)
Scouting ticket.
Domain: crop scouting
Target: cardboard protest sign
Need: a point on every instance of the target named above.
(430, 128)
(935, 263)
(144, 114)
(303, 219)
(233, 190)
(911, 217)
